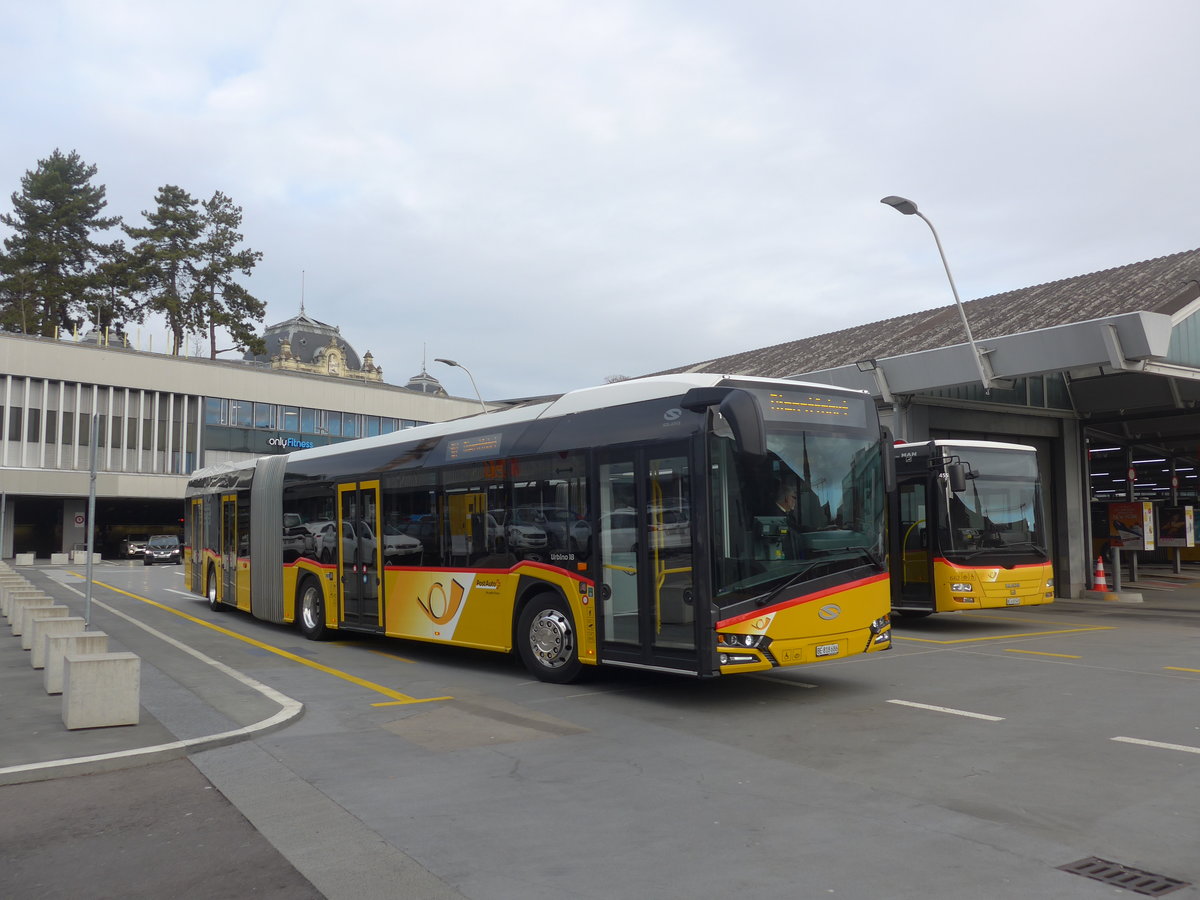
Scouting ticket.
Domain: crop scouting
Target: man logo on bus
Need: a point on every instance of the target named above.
(437, 606)
(829, 611)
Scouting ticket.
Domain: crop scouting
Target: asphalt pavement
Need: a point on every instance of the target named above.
(124, 812)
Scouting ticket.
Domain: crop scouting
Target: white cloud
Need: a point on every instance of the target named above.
(555, 192)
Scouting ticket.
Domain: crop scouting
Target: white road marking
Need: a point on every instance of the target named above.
(947, 709)
(1161, 746)
(289, 708)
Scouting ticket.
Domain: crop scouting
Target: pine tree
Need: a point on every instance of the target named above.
(48, 273)
(165, 261)
(228, 305)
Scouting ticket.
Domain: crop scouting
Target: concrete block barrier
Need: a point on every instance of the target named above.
(101, 690)
(17, 621)
(45, 627)
(23, 559)
(6, 592)
(59, 646)
(59, 559)
(31, 613)
(19, 600)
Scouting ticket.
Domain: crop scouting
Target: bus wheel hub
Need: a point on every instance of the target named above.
(550, 638)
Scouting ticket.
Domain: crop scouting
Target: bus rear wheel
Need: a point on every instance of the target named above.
(214, 602)
(547, 641)
(310, 609)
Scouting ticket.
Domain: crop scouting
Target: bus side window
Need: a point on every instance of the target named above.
(409, 520)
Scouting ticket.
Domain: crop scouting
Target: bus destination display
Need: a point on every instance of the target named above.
(804, 406)
(479, 445)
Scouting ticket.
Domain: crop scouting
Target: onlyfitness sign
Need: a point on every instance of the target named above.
(289, 443)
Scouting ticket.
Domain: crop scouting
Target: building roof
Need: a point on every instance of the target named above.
(306, 336)
(425, 383)
(1163, 285)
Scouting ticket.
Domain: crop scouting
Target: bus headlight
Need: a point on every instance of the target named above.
(881, 624)
(741, 640)
(962, 587)
(1049, 582)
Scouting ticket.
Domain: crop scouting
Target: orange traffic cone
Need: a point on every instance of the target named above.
(1100, 578)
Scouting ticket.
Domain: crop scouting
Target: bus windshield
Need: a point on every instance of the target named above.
(810, 509)
(1000, 509)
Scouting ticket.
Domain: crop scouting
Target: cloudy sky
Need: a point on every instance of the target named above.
(554, 193)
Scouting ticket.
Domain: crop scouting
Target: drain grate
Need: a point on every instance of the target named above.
(1140, 882)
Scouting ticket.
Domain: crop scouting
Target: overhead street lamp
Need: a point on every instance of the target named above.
(459, 365)
(908, 208)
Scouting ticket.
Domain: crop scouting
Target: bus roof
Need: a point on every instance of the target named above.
(618, 393)
(981, 445)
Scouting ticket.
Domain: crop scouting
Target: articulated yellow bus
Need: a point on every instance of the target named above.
(968, 529)
(634, 524)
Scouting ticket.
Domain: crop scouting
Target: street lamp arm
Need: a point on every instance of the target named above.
(908, 208)
(458, 365)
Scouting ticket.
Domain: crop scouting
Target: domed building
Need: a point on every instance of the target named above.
(425, 383)
(302, 344)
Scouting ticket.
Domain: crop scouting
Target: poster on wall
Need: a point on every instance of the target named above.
(1131, 525)
(1176, 527)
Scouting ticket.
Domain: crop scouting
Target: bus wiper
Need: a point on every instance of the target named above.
(795, 578)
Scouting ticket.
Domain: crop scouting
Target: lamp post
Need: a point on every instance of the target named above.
(459, 365)
(908, 208)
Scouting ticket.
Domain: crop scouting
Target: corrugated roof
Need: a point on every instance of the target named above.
(1162, 285)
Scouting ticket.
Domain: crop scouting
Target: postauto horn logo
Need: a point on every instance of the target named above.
(289, 443)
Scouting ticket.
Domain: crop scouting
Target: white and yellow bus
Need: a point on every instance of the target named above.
(968, 528)
(631, 524)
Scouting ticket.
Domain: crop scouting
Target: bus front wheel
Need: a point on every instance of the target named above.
(547, 641)
(310, 610)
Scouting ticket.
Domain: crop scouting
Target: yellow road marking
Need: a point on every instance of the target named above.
(1002, 637)
(1040, 653)
(1180, 669)
(397, 697)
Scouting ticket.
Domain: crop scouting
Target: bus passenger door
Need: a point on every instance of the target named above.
(359, 554)
(644, 542)
(193, 551)
(229, 549)
(917, 533)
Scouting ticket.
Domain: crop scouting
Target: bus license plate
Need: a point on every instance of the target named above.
(827, 650)
(1012, 601)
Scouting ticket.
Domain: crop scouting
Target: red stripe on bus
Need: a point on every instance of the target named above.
(523, 564)
(807, 598)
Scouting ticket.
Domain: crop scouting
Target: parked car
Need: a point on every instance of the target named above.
(400, 548)
(297, 539)
(134, 546)
(162, 548)
(325, 535)
(520, 537)
(668, 529)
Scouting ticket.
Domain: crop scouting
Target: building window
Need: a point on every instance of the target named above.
(308, 421)
(241, 413)
(372, 426)
(289, 418)
(349, 425)
(216, 411)
(264, 415)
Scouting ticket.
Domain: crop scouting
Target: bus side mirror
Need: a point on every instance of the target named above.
(742, 412)
(740, 409)
(957, 474)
